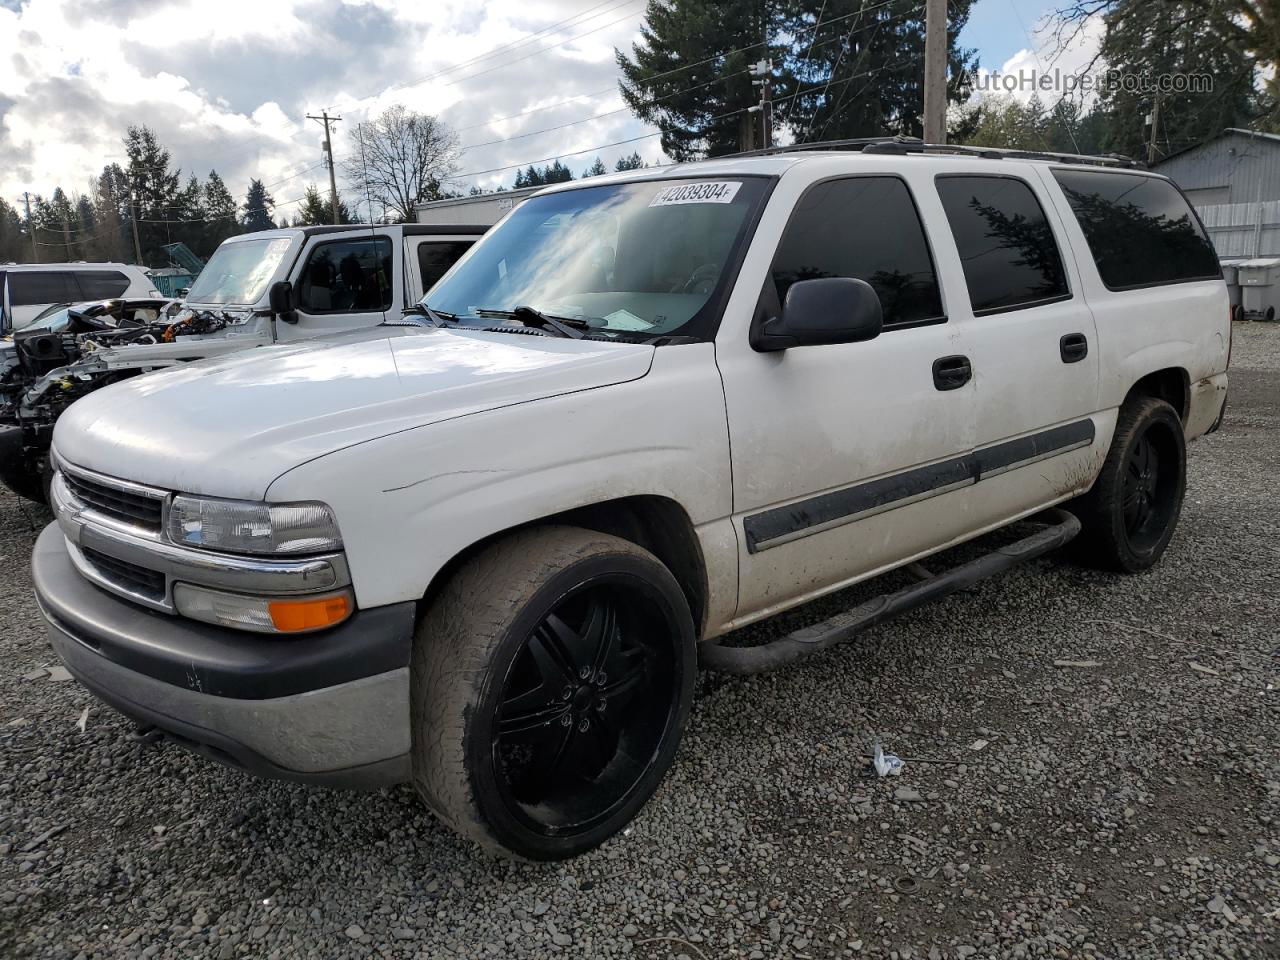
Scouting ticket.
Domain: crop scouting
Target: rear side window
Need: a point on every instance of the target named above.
(27, 288)
(102, 284)
(435, 258)
(866, 228)
(347, 276)
(1140, 230)
(1006, 245)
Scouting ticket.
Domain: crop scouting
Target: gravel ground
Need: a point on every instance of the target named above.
(1126, 808)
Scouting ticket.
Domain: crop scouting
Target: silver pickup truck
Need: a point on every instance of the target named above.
(326, 279)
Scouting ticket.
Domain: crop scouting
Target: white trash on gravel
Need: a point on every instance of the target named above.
(886, 764)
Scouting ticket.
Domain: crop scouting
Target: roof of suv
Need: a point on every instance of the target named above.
(70, 265)
(877, 152)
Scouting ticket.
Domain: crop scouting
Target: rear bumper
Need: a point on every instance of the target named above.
(332, 708)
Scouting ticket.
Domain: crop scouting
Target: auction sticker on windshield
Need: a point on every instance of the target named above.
(707, 191)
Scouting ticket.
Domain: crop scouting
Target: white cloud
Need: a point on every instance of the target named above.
(227, 85)
(1049, 56)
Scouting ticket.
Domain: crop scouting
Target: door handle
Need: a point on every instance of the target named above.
(1074, 347)
(951, 373)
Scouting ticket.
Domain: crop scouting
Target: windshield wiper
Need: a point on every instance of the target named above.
(572, 327)
(438, 318)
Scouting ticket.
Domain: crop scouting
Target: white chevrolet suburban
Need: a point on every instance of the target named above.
(485, 549)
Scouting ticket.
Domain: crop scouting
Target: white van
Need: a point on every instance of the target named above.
(28, 289)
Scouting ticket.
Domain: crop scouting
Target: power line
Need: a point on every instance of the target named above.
(658, 133)
(668, 96)
(599, 116)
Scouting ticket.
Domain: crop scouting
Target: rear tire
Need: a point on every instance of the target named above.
(551, 678)
(1129, 516)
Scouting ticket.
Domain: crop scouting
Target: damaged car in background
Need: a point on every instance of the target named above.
(257, 289)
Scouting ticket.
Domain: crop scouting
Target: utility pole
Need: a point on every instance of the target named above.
(133, 218)
(935, 72)
(762, 70)
(66, 236)
(31, 228)
(328, 158)
(1154, 120)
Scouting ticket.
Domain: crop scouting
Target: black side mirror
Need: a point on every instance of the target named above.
(826, 310)
(282, 301)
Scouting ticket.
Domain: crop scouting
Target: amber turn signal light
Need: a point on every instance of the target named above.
(294, 616)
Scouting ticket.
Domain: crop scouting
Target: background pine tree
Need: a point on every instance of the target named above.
(257, 208)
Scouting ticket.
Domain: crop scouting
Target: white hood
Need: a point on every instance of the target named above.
(230, 426)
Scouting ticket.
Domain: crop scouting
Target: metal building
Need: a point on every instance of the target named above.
(484, 208)
(1233, 180)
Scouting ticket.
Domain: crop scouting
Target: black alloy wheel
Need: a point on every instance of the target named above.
(550, 681)
(585, 706)
(1132, 511)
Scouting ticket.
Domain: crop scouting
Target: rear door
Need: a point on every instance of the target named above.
(1031, 340)
(344, 283)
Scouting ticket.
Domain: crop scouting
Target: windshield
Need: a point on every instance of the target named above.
(636, 258)
(238, 272)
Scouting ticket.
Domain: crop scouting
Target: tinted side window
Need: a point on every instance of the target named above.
(435, 258)
(102, 284)
(1140, 230)
(42, 286)
(867, 228)
(1006, 246)
(347, 276)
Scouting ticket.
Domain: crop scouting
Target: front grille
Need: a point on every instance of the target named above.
(129, 576)
(122, 505)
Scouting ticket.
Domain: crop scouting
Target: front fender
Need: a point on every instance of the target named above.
(410, 502)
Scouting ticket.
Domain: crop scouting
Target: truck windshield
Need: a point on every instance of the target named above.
(238, 272)
(639, 258)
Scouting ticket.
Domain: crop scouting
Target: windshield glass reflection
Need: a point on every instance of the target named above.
(632, 258)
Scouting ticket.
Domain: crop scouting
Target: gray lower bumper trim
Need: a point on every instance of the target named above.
(325, 735)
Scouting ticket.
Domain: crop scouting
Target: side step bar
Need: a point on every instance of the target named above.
(744, 661)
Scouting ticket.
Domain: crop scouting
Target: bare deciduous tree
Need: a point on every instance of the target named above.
(400, 158)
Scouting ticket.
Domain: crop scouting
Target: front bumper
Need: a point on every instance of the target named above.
(331, 707)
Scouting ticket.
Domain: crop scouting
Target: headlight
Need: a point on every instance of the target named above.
(239, 526)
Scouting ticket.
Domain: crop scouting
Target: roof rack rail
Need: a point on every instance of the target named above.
(901, 146)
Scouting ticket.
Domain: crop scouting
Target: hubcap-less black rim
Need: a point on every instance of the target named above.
(584, 708)
(1148, 499)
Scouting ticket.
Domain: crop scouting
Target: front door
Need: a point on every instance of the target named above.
(344, 284)
(847, 458)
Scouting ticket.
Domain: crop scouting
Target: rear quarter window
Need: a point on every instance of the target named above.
(1140, 230)
(102, 284)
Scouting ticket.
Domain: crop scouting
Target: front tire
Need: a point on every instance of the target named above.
(1129, 516)
(551, 678)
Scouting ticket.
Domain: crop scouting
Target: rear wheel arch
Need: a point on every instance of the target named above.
(1172, 385)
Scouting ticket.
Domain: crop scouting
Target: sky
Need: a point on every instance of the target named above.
(227, 85)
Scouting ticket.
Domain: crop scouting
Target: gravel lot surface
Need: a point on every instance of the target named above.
(1127, 807)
